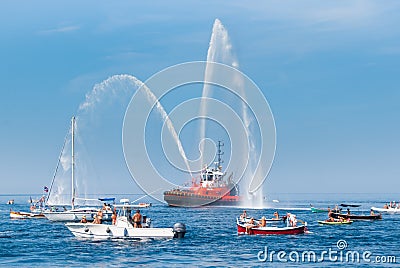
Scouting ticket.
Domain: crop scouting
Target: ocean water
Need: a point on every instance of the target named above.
(211, 239)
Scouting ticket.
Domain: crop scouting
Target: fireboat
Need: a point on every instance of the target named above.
(212, 190)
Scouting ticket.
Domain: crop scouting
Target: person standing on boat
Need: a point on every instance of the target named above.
(330, 215)
(114, 217)
(137, 220)
(291, 220)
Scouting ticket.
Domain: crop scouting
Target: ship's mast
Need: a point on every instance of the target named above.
(219, 155)
(72, 162)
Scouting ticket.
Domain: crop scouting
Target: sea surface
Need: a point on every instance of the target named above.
(211, 239)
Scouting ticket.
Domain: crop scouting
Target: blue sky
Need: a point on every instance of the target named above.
(329, 70)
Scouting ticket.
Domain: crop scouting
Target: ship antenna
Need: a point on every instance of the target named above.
(219, 155)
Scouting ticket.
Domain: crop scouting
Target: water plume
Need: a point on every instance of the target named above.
(220, 50)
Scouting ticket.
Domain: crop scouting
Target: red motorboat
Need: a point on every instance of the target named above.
(243, 228)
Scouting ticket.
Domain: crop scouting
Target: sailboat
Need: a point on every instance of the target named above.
(76, 213)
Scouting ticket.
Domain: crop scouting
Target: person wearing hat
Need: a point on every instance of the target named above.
(83, 220)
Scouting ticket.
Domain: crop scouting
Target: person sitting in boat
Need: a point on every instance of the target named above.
(372, 212)
(250, 225)
(83, 220)
(276, 215)
(348, 211)
(263, 222)
(386, 206)
(137, 220)
(243, 216)
(98, 218)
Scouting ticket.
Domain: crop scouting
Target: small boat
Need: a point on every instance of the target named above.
(10, 202)
(335, 222)
(143, 205)
(36, 211)
(318, 210)
(269, 230)
(386, 210)
(350, 205)
(124, 228)
(357, 217)
(323, 210)
(26, 215)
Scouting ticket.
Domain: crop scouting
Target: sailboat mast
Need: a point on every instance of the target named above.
(72, 162)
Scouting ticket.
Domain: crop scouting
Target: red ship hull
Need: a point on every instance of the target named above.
(179, 198)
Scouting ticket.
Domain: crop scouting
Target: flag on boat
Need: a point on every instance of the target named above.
(46, 189)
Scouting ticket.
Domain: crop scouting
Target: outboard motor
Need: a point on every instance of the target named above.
(179, 230)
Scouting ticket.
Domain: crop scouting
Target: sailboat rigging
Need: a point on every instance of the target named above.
(75, 213)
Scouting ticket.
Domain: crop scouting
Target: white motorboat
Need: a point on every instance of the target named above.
(387, 210)
(123, 227)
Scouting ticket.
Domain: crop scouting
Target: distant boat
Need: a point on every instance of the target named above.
(318, 210)
(354, 217)
(10, 202)
(387, 210)
(75, 213)
(142, 205)
(26, 215)
(350, 205)
(335, 222)
(322, 210)
(36, 210)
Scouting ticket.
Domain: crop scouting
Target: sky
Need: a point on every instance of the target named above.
(329, 70)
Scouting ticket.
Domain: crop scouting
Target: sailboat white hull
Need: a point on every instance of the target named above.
(387, 210)
(76, 215)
